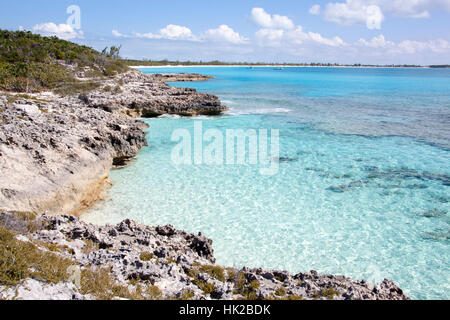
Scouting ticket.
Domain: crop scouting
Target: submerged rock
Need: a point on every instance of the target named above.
(434, 213)
(438, 235)
(406, 174)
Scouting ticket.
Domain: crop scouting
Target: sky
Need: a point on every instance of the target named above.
(293, 31)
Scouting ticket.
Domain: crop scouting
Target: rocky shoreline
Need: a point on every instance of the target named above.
(56, 151)
(55, 156)
(145, 95)
(161, 263)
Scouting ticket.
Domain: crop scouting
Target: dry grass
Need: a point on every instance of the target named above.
(216, 272)
(329, 293)
(281, 292)
(20, 260)
(101, 284)
(186, 294)
(90, 246)
(146, 256)
(248, 290)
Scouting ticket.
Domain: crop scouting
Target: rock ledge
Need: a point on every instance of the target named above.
(176, 264)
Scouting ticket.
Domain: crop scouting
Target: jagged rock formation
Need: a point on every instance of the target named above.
(186, 77)
(148, 96)
(174, 263)
(56, 158)
(56, 151)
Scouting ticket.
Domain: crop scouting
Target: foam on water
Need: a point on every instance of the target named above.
(363, 184)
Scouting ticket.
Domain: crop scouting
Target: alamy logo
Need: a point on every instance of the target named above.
(213, 148)
(74, 20)
(374, 17)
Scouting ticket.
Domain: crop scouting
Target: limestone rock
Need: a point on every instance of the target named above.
(179, 264)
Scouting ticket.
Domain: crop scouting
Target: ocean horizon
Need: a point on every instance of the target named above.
(362, 187)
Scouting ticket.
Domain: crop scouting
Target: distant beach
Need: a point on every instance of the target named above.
(274, 66)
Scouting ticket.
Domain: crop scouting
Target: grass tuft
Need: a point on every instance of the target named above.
(216, 272)
(146, 256)
(20, 260)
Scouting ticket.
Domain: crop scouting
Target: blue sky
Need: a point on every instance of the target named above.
(344, 31)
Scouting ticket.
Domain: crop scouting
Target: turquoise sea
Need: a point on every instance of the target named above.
(363, 187)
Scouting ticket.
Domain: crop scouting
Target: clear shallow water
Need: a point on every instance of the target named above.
(363, 187)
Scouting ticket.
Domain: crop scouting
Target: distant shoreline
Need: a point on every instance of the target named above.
(274, 66)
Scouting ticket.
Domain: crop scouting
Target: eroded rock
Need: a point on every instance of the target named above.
(165, 257)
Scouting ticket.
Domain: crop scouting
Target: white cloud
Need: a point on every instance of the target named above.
(413, 8)
(422, 15)
(281, 39)
(298, 36)
(376, 42)
(315, 10)
(63, 31)
(269, 34)
(170, 32)
(118, 34)
(409, 46)
(264, 20)
(334, 42)
(372, 12)
(436, 46)
(354, 12)
(174, 32)
(384, 46)
(274, 37)
(148, 35)
(224, 33)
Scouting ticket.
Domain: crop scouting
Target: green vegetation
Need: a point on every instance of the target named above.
(170, 260)
(216, 272)
(330, 293)
(206, 287)
(76, 87)
(248, 290)
(32, 63)
(90, 246)
(153, 293)
(286, 297)
(20, 260)
(281, 292)
(440, 66)
(293, 297)
(186, 294)
(213, 271)
(102, 285)
(114, 52)
(146, 256)
(28, 219)
(280, 277)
